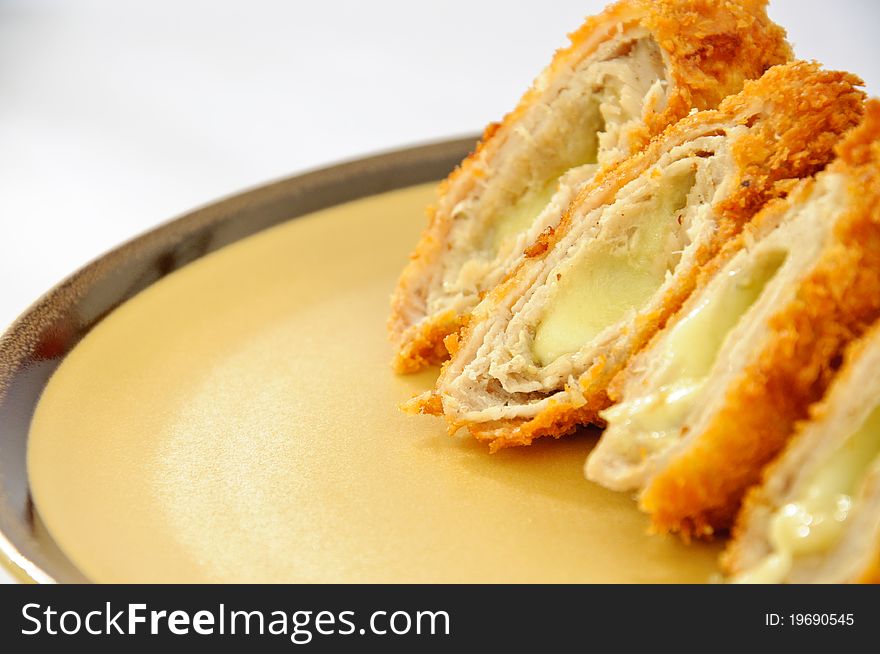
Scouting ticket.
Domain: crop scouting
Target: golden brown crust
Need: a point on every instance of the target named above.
(804, 111)
(711, 47)
(757, 501)
(763, 222)
(540, 246)
(700, 491)
(700, 279)
(862, 146)
(871, 574)
(427, 347)
(505, 433)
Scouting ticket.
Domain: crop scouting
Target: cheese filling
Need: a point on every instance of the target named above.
(688, 356)
(813, 523)
(581, 151)
(619, 88)
(616, 275)
(519, 217)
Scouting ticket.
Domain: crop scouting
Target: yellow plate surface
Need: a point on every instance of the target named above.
(237, 421)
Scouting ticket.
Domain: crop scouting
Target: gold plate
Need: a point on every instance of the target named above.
(237, 421)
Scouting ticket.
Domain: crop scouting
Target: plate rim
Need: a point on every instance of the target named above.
(49, 328)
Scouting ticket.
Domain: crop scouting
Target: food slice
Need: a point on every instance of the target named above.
(816, 516)
(540, 350)
(716, 394)
(628, 73)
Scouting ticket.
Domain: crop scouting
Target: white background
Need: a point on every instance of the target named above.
(118, 115)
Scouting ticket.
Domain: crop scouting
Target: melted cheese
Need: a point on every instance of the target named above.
(611, 279)
(656, 418)
(580, 151)
(688, 355)
(599, 129)
(814, 522)
(519, 217)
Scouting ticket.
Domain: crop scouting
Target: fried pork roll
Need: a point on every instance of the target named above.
(628, 73)
(539, 351)
(716, 394)
(816, 516)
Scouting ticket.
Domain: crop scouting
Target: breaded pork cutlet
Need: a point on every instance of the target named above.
(816, 516)
(539, 352)
(717, 393)
(629, 72)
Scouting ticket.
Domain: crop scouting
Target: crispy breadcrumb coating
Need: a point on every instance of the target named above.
(803, 112)
(700, 491)
(710, 48)
(750, 537)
